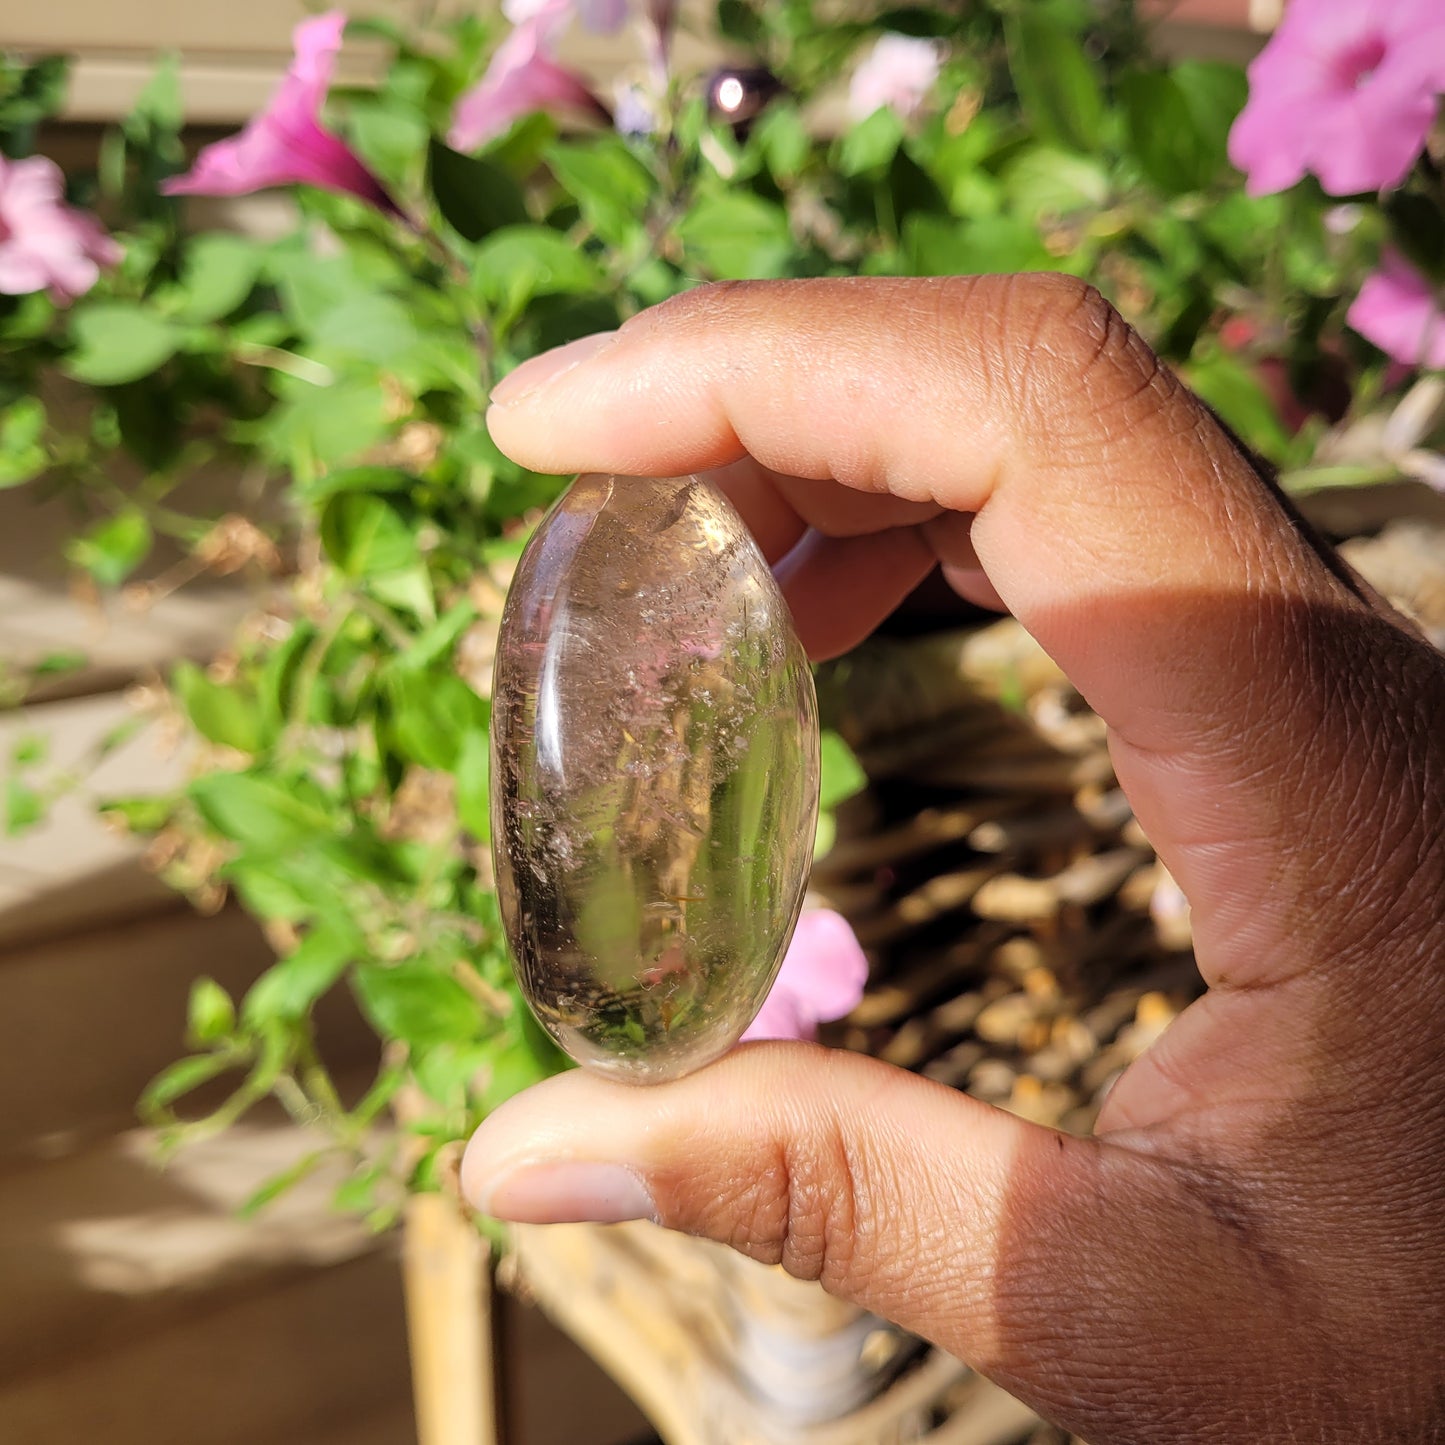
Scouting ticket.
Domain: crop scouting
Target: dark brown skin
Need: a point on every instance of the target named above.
(1252, 1247)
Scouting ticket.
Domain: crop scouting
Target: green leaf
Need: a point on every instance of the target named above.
(372, 328)
(118, 736)
(359, 1193)
(1047, 181)
(826, 835)
(555, 320)
(180, 1079)
(22, 450)
(519, 262)
(278, 1184)
(1215, 92)
(29, 749)
(22, 424)
(59, 664)
(610, 185)
(311, 286)
(326, 424)
(264, 813)
(520, 149)
(219, 274)
(32, 93)
(359, 479)
(474, 789)
(934, 246)
(739, 22)
(24, 807)
(1234, 391)
(841, 773)
(119, 341)
(409, 589)
(271, 892)
(916, 20)
(871, 144)
(437, 642)
(782, 137)
(445, 1072)
(364, 533)
(737, 236)
(140, 815)
(431, 713)
(1161, 132)
(289, 988)
(159, 107)
(210, 1014)
(1055, 80)
(527, 1056)
(224, 714)
(417, 1003)
(114, 548)
(390, 136)
(474, 196)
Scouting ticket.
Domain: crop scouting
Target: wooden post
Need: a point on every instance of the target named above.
(448, 1310)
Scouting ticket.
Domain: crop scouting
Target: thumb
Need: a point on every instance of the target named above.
(1024, 1252)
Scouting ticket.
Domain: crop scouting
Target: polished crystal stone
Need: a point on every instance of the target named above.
(654, 774)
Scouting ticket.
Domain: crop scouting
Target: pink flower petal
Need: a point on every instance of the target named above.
(779, 1019)
(21, 272)
(46, 244)
(522, 78)
(822, 978)
(897, 73)
(1398, 311)
(1345, 89)
(285, 144)
(316, 43)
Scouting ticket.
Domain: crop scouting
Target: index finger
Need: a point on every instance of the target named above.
(1024, 400)
(1113, 515)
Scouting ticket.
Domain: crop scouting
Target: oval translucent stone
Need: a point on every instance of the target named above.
(654, 774)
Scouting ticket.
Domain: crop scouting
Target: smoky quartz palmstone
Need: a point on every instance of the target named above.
(654, 774)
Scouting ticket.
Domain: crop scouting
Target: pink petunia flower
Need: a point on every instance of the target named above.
(1401, 312)
(524, 76)
(1346, 89)
(44, 243)
(821, 979)
(285, 144)
(898, 73)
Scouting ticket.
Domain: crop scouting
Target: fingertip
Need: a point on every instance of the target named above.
(540, 372)
(522, 1127)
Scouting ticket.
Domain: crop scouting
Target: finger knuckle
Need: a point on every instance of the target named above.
(701, 307)
(801, 1208)
(1065, 342)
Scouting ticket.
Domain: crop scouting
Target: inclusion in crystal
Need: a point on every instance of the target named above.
(654, 774)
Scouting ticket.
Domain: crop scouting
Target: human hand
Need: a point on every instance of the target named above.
(1249, 1248)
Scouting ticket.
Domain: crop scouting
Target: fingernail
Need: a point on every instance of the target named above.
(542, 370)
(567, 1193)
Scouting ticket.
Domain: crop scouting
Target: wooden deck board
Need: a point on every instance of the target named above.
(285, 1362)
(103, 1243)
